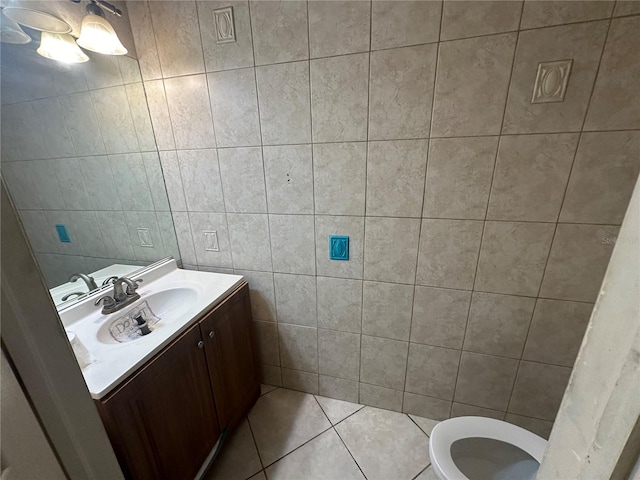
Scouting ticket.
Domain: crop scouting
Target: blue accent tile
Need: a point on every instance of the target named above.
(338, 247)
(63, 235)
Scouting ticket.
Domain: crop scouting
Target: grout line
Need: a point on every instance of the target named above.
(255, 444)
(313, 197)
(350, 454)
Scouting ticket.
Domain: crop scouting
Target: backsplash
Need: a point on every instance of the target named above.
(78, 150)
(480, 224)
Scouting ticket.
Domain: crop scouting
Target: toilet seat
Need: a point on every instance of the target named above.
(445, 433)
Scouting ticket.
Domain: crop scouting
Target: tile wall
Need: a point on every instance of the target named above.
(480, 224)
(78, 149)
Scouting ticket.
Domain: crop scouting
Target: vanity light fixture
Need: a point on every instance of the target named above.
(61, 47)
(96, 33)
(11, 32)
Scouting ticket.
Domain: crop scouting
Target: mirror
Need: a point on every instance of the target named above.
(80, 162)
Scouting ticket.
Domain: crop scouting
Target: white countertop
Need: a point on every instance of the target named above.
(114, 361)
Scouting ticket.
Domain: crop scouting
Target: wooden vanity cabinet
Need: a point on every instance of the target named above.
(165, 419)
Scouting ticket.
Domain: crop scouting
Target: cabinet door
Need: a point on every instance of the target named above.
(162, 422)
(228, 336)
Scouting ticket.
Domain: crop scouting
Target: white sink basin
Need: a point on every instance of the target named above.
(168, 305)
(178, 297)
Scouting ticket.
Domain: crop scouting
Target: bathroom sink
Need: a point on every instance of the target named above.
(158, 309)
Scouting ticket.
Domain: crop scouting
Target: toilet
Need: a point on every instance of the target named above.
(479, 448)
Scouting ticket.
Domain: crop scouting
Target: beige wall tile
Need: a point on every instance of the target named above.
(432, 371)
(583, 44)
(114, 119)
(513, 256)
(400, 92)
(301, 381)
(470, 19)
(538, 390)
(263, 301)
(293, 247)
(172, 180)
(556, 331)
(271, 375)
(439, 316)
(250, 244)
(296, 299)
(383, 362)
(578, 260)
(353, 227)
(531, 176)
(546, 13)
(140, 115)
(338, 28)
(617, 91)
(485, 381)
(242, 174)
(299, 347)
(449, 253)
(230, 55)
(626, 7)
(340, 304)
(283, 97)
(395, 177)
(381, 397)
(267, 342)
(498, 324)
(211, 222)
(464, 108)
(184, 237)
(190, 111)
(605, 170)
(386, 310)
(339, 388)
(428, 407)
(81, 120)
(535, 425)
(142, 29)
(399, 24)
(234, 105)
(339, 178)
(175, 25)
(159, 112)
(288, 172)
(391, 249)
(462, 410)
(279, 31)
(339, 103)
(339, 354)
(201, 183)
(459, 177)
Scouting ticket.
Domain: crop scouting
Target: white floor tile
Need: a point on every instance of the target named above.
(386, 445)
(323, 458)
(428, 474)
(238, 459)
(426, 424)
(260, 476)
(337, 410)
(283, 420)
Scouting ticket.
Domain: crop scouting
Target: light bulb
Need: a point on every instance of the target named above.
(61, 47)
(97, 35)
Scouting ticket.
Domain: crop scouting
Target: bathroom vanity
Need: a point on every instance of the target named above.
(169, 398)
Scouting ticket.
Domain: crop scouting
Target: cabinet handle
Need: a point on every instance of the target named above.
(200, 344)
(212, 334)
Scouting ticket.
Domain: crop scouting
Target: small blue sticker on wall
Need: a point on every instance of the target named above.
(63, 235)
(338, 247)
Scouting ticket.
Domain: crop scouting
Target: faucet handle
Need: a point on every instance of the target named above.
(109, 280)
(132, 289)
(107, 300)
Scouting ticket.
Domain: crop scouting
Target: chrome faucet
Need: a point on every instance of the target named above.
(121, 297)
(91, 283)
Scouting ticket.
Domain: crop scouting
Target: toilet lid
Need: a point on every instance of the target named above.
(446, 433)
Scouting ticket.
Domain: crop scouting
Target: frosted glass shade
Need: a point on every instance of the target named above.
(97, 35)
(10, 32)
(61, 47)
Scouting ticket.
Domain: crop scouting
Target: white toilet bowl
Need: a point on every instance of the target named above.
(479, 448)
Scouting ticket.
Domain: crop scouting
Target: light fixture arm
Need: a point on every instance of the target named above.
(94, 7)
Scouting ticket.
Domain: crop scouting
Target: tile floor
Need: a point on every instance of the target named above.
(298, 436)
